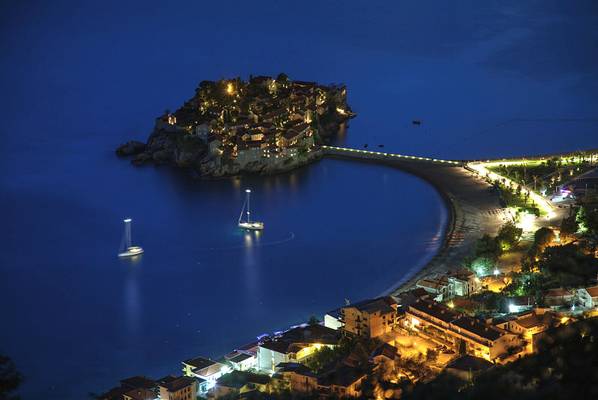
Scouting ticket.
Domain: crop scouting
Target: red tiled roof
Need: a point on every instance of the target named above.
(592, 291)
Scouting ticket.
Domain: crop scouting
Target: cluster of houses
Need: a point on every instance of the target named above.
(270, 365)
(263, 120)
(281, 362)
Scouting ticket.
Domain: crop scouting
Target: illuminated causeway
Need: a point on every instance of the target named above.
(358, 153)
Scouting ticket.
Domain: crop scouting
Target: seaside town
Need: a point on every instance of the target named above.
(504, 318)
(265, 125)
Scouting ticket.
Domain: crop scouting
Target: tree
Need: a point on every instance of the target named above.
(282, 78)
(482, 266)
(431, 355)
(487, 247)
(10, 379)
(568, 228)
(509, 235)
(542, 238)
(587, 220)
(313, 320)
(567, 266)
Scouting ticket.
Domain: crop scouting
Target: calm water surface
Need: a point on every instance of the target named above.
(78, 78)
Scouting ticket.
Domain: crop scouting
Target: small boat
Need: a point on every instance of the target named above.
(127, 249)
(416, 122)
(247, 223)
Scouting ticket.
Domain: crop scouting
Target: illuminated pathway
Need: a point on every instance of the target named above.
(367, 154)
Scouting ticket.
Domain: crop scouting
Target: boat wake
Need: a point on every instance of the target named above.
(287, 239)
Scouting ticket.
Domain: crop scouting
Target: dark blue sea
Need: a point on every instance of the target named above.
(79, 78)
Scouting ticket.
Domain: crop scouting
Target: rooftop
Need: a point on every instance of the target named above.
(342, 376)
(478, 328)
(433, 283)
(592, 291)
(435, 310)
(297, 368)
(176, 384)
(385, 350)
(239, 358)
(141, 394)
(138, 382)
(533, 319)
(296, 338)
(238, 379)
(380, 304)
(558, 292)
(199, 362)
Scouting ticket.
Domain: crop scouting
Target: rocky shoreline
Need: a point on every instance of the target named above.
(201, 165)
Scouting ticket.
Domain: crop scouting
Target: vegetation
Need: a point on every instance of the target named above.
(10, 379)
(542, 238)
(490, 301)
(548, 175)
(488, 249)
(508, 236)
(587, 220)
(358, 348)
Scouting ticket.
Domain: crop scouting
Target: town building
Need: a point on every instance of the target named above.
(242, 361)
(463, 334)
(517, 304)
(384, 353)
(240, 382)
(295, 345)
(139, 394)
(205, 370)
(333, 319)
(529, 324)
(558, 297)
(295, 377)
(178, 388)
(344, 381)
(438, 287)
(370, 318)
(588, 297)
(461, 282)
(133, 388)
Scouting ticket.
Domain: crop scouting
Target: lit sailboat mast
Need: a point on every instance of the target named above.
(129, 250)
(127, 222)
(246, 210)
(248, 191)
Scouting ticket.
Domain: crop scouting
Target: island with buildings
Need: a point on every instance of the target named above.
(264, 125)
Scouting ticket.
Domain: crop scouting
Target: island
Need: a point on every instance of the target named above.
(264, 125)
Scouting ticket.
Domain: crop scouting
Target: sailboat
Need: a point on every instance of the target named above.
(247, 223)
(128, 250)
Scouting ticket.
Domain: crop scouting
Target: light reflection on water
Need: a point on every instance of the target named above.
(132, 302)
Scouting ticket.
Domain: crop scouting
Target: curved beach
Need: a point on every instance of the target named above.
(473, 210)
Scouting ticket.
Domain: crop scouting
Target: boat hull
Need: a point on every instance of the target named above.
(252, 226)
(131, 252)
